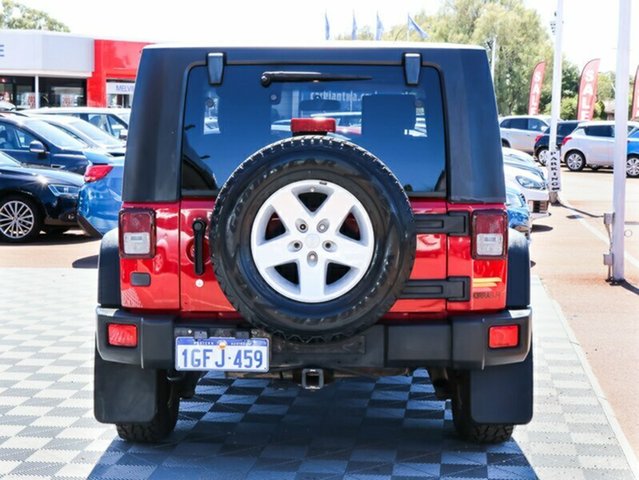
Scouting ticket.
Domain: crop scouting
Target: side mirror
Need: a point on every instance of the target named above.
(37, 147)
(124, 133)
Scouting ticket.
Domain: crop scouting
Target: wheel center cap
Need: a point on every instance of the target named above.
(312, 240)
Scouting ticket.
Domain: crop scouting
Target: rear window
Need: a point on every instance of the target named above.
(402, 125)
(599, 131)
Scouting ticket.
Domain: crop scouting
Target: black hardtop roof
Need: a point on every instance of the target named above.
(474, 160)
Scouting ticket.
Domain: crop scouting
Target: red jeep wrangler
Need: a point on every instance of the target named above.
(257, 237)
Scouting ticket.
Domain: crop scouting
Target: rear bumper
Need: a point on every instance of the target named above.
(460, 342)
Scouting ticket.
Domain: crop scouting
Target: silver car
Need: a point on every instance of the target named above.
(520, 131)
(591, 144)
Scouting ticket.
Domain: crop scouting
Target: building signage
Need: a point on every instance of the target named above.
(120, 88)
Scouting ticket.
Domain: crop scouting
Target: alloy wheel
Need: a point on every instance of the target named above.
(17, 219)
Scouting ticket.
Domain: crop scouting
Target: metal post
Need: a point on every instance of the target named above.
(621, 139)
(493, 58)
(553, 165)
(37, 91)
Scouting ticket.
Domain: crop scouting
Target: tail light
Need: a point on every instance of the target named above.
(96, 172)
(566, 139)
(538, 137)
(122, 335)
(503, 336)
(490, 234)
(137, 233)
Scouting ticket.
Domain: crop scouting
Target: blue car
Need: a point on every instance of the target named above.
(101, 196)
(632, 162)
(518, 213)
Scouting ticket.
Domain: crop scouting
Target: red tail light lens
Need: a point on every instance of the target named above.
(302, 126)
(137, 233)
(538, 137)
(121, 335)
(503, 336)
(563, 142)
(96, 172)
(490, 234)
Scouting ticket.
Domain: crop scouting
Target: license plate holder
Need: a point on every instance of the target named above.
(223, 354)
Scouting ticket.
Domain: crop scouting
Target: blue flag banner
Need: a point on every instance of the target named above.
(412, 25)
(327, 27)
(379, 30)
(354, 31)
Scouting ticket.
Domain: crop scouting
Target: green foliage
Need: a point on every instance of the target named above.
(14, 15)
(521, 42)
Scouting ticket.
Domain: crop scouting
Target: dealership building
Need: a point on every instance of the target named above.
(51, 69)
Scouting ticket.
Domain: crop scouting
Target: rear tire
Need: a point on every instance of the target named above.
(542, 156)
(465, 426)
(632, 167)
(504, 143)
(164, 421)
(575, 161)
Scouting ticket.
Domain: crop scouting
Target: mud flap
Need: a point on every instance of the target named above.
(503, 394)
(123, 393)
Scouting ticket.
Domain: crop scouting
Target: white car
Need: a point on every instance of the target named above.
(520, 131)
(521, 159)
(532, 185)
(591, 144)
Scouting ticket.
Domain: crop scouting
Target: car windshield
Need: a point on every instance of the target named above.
(7, 161)
(372, 106)
(125, 116)
(54, 135)
(634, 133)
(97, 135)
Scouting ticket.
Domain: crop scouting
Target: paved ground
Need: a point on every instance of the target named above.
(357, 429)
(568, 252)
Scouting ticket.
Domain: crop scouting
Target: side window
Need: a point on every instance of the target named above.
(115, 125)
(12, 138)
(564, 129)
(536, 124)
(599, 131)
(99, 121)
(519, 123)
(505, 123)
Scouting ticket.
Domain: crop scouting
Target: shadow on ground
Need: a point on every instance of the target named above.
(86, 262)
(354, 428)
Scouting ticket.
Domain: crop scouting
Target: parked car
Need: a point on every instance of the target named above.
(523, 160)
(632, 163)
(100, 197)
(36, 143)
(87, 133)
(518, 213)
(533, 186)
(592, 144)
(297, 258)
(33, 200)
(520, 131)
(564, 128)
(114, 121)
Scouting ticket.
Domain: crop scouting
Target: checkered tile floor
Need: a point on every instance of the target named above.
(357, 429)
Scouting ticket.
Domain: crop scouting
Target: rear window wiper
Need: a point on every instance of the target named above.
(270, 77)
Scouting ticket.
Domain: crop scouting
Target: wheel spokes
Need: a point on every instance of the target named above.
(288, 208)
(275, 252)
(350, 253)
(336, 208)
(312, 278)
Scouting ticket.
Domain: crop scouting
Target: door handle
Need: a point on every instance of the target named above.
(199, 227)
(55, 165)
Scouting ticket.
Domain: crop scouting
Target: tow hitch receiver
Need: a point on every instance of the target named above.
(312, 378)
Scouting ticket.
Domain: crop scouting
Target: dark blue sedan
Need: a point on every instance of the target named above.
(33, 200)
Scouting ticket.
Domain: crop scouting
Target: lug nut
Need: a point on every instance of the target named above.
(302, 227)
(296, 245)
(312, 258)
(322, 226)
(328, 245)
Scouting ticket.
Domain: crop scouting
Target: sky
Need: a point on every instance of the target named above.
(590, 26)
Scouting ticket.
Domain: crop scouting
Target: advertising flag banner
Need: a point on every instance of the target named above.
(379, 30)
(327, 27)
(536, 81)
(412, 25)
(588, 90)
(634, 113)
(354, 30)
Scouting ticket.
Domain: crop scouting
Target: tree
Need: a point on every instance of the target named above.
(17, 16)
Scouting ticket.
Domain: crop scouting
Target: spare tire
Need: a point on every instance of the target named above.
(312, 239)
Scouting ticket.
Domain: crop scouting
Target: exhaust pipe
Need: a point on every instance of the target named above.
(312, 378)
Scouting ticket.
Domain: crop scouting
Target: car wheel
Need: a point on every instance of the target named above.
(575, 161)
(465, 426)
(505, 143)
(542, 155)
(20, 219)
(312, 238)
(632, 167)
(163, 422)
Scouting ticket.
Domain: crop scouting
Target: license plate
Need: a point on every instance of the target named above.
(222, 354)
